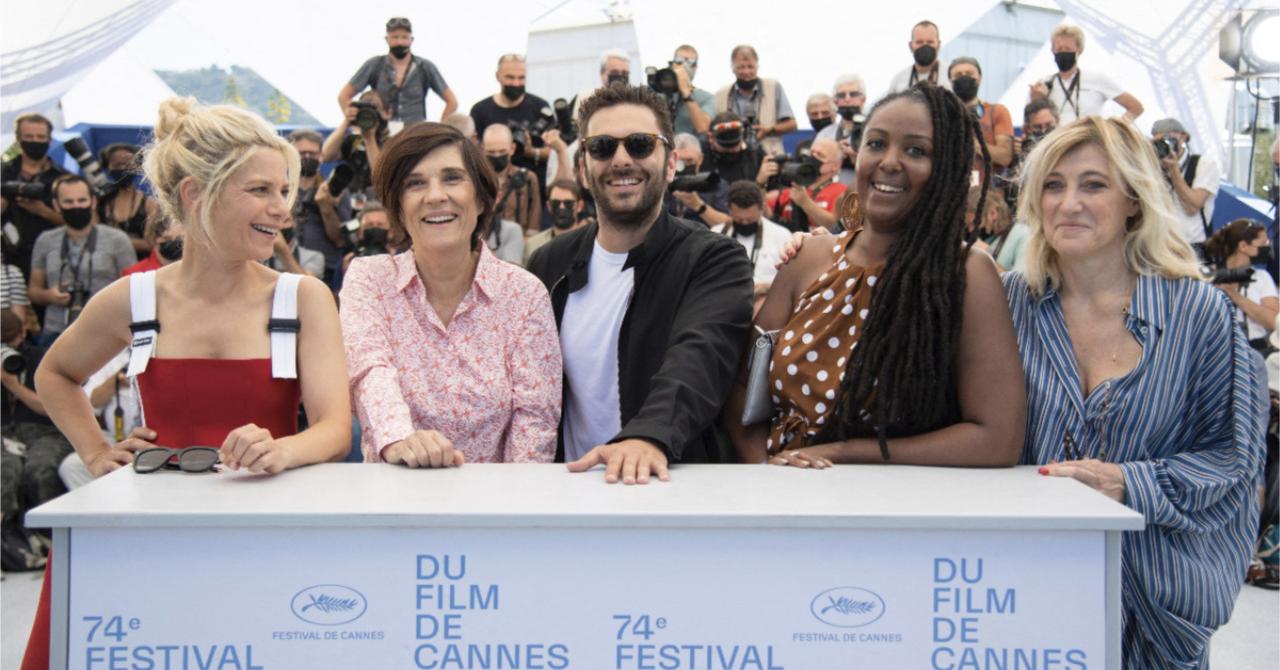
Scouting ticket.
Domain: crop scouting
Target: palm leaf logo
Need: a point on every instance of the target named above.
(329, 604)
(848, 606)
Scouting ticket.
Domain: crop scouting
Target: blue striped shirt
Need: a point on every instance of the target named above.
(1186, 427)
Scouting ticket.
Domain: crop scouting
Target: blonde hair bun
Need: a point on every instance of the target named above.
(173, 111)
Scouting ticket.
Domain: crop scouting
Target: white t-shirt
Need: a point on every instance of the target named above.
(773, 241)
(1262, 286)
(1095, 89)
(589, 342)
(902, 80)
(1207, 176)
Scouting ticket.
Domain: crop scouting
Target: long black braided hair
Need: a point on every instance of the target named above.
(901, 378)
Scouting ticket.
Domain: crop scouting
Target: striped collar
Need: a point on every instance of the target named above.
(1150, 303)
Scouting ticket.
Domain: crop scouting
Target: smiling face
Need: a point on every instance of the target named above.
(252, 207)
(895, 162)
(628, 190)
(1085, 205)
(438, 206)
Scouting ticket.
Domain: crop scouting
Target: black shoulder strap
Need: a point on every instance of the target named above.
(1189, 174)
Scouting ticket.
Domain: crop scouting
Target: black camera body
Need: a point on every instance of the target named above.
(1166, 146)
(11, 360)
(367, 117)
(564, 120)
(702, 182)
(855, 133)
(522, 131)
(664, 81)
(800, 170)
(34, 190)
(79, 297)
(89, 165)
(1242, 276)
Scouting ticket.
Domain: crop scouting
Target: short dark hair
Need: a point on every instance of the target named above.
(31, 117)
(927, 24)
(745, 193)
(104, 156)
(408, 147)
(964, 60)
(620, 94)
(566, 185)
(399, 23)
(69, 179)
(1036, 106)
(306, 134)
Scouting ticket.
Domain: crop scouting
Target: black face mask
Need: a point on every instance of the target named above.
(847, 113)
(965, 87)
(925, 55)
(499, 163)
(747, 84)
(288, 234)
(309, 168)
(616, 79)
(512, 93)
(374, 237)
(120, 178)
(77, 218)
(819, 124)
(562, 216)
(35, 150)
(688, 170)
(171, 249)
(747, 230)
(399, 51)
(1065, 60)
(1263, 257)
(725, 160)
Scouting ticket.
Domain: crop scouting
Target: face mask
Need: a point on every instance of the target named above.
(77, 218)
(847, 113)
(499, 163)
(374, 237)
(171, 249)
(399, 51)
(1065, 60)
(685, 170)
(925, 55)
(747, 84)
(965, 87)
(562, 216)
(727, 159)
(616, 79)
(747, 230)
(310, 166)
(288, 234)
(819, 124)
(1263, 257)
(35, 150)
(120, 178)
(512, 93)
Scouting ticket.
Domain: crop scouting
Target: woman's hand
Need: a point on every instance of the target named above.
(120, 455)
(1106, 478)
(817, 457)
(253, 449)
(424, 449)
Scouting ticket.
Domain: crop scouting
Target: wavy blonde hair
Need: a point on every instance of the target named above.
(1153, 243)
(208, 144)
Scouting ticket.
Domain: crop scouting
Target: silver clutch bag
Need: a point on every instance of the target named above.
(759, 404)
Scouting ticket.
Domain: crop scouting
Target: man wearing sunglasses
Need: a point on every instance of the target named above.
(693, 115)
(653, 310)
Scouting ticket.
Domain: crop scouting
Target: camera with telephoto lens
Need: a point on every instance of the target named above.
(357, 159)
(367, 117)
(1166, 146)
(33, 190)
(89, 166)
(564, 120)
(798, 170)
(522, 131)
(1242, 276)
(664, 81)
(702, 182)
(11, 360)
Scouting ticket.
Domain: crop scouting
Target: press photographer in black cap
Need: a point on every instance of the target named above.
(401, 78)
(1193, 179)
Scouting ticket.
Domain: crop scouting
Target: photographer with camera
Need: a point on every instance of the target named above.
(615, 68)
(1075, 95)
(691, 183)
(925, 46)
(760, 103)
(519, 192)
(567, 212)
(525, 113)
(367, 118)
(965, 74)
(373, 236)
(321, 206)
(821, 110)
(1232, 253)
(810, 190)
(71, 263)
(1039, 118)
(402, 80)
(763, 239)
(27, 202)
(696, 106)
(166, 239)
(850, 94)
(1193, 179)
(123, 205)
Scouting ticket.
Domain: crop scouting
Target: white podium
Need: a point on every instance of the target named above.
(734, 567)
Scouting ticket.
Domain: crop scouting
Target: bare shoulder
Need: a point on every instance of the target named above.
(315, 297)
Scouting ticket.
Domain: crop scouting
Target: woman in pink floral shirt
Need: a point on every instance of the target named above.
(453, 354)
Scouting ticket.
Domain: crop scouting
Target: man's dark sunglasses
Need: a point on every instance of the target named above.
(191, 459)
(639, 145)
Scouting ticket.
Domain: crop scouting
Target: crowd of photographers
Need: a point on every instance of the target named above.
(67, 236)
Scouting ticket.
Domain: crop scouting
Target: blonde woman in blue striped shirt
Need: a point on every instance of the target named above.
(1139, 383)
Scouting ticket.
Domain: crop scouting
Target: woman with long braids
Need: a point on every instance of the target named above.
(894, 341)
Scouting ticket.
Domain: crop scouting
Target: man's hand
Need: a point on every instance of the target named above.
(424, 449)
(552, 139)
(253, 449)
(60, 298)
(688, 199)
(632, 461)
(763, 132)
(1170, 165)
(323, 197)
(352, 112)
(768, 168)
(28, 204)
(682, 80)
(1038, 91)
(800, 196)
(847, 149)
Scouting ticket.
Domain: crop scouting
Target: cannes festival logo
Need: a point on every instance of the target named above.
(847, 607)
(328, 604)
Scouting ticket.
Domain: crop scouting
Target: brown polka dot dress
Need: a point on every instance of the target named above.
(813, 348)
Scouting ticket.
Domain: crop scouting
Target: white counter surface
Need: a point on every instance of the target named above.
(528, 495)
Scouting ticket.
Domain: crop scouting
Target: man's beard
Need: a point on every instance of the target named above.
(628, 216)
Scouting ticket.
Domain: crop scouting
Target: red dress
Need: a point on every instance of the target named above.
(192, 402)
